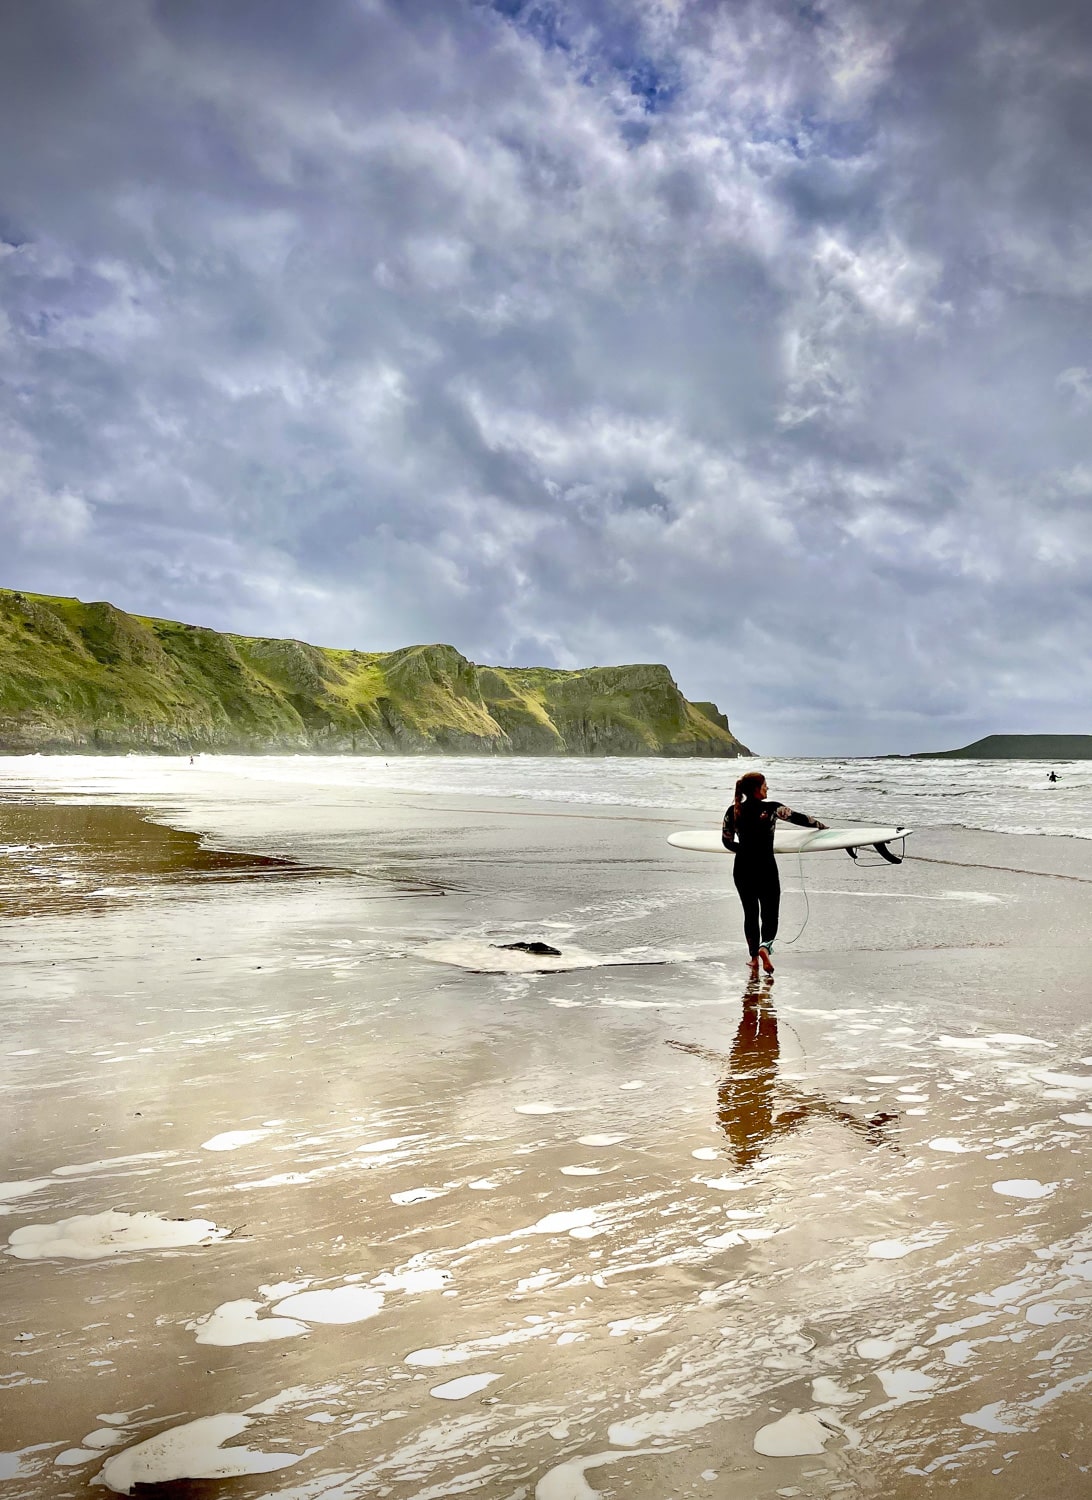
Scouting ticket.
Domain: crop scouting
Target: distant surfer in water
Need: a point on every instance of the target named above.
(1052, 777)
(749, 830)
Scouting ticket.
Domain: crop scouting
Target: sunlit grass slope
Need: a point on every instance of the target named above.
(89, 677)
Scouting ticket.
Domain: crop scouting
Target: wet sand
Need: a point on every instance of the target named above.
(357, 1219)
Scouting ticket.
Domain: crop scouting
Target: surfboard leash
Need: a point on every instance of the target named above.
(807, 903)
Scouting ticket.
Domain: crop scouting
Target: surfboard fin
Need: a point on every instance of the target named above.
(852, 853)
(885, 852)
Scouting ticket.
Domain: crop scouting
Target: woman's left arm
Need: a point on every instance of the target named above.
(728, 830)
(800, 818)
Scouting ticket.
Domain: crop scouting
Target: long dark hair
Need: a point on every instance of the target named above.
(747, 787)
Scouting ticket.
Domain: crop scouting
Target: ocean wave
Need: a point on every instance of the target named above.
(1004, 797)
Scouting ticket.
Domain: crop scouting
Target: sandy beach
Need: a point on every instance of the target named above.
(301, 1200)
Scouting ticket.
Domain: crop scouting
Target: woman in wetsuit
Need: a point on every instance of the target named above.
(749, 829)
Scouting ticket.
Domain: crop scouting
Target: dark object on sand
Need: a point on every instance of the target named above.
(542, 949)
(877, 1125)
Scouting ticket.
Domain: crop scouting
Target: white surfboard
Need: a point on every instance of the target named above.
(789, 838)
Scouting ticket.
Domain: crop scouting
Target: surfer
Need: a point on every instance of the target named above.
(1052, 777)
(748, 830)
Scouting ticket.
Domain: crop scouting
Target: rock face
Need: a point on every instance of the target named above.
(1018, 747)
(89, 678)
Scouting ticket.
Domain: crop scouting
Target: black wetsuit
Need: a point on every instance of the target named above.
(755, 870)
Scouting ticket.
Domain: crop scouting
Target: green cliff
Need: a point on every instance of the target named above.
(1018, 747)
(90, 678)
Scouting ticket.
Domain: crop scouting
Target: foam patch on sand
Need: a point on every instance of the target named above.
(988, 1419)
(234, 1323)
(465, 1385)
(1042, 1314)
(896, 1249)
(294, 1307)
(1081, 1083)
(744, 1235)
(21, 1463)
(98, 1236)
(659, 1424)
(724, 1241)
(231, 1140)
(571, 1222)
(722, 1184)
(567, 1482)
(620, 1328)
(103, 1437)
(106, 1163)
(901, 1384)
(343, 1304)
(481, 957)
(416, 1195)
(412, 1281)
(458, 1354)
(878, 1348)
(1024, 1187)
(10, 1192)
(829, 1393)
(192, 1451)
(799, 1433)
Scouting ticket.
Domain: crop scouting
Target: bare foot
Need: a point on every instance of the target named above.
(753, 967)
(767, 961)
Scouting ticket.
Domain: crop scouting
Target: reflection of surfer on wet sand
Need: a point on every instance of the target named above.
(754, 1107)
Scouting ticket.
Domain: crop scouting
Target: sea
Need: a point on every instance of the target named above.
(996, 796)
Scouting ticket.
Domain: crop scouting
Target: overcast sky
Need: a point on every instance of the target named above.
(753, 338)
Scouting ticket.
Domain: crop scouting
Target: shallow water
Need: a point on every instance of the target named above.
(353, 1222)
(82, 857)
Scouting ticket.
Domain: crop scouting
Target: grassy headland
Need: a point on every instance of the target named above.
(1018, 747)
(89, 678)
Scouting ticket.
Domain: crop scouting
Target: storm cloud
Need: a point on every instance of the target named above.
(755, 338)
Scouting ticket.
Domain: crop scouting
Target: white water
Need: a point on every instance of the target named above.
(1002, 796)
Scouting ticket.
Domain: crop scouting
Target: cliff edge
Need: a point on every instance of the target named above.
(91, 679)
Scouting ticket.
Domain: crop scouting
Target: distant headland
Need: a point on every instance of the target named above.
(91, 679)
(1018, 747)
